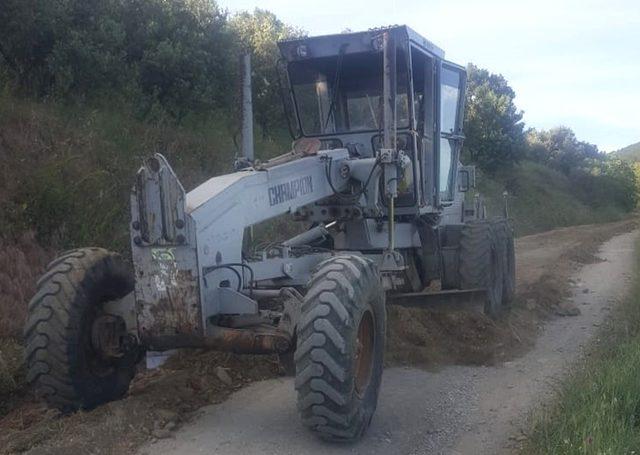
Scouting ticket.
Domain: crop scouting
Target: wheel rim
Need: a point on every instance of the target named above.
(96, 365)
(365, 342)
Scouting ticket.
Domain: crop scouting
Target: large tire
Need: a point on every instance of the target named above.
(505, 234)
(481, 262)
(63, 366)
(340, 349)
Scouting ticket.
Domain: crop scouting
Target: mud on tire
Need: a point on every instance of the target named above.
(62, 364)
(482, 262)
(340, 349)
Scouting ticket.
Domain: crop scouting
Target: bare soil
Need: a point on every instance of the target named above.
(160, 401)
(545, 262)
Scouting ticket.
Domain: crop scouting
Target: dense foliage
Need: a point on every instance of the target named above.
(493, 124)
(164, 57)
(559, 147)
(496, 140)
(629, 153)
(89, 86)
(602, 179)
(259, 32)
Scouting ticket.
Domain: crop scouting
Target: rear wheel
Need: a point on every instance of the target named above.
(340, 349)
(505, 234)
(73, 350)
(481, 262)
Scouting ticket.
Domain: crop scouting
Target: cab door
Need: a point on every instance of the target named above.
(424, 73)
(452, 84)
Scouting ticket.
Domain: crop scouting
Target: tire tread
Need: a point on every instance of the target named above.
(324, 382)
(53, 327)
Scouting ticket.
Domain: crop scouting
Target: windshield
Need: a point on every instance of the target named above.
(344, 93)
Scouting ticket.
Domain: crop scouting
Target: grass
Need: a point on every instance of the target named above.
(12, 371)
(598, 407)
(541, 198)
(67, 171)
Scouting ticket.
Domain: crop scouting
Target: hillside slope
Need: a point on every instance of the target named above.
(67, 174)
(629, 153)
(541, 198)
(67, 171)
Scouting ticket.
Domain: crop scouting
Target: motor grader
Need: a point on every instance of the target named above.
(374, 172)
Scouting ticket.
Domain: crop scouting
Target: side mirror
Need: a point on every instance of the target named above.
(466, 178)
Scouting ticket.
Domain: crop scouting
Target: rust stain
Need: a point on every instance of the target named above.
(169, 300)
(178, 312)
(241, 341)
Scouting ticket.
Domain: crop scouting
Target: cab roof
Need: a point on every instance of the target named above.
(352, 42)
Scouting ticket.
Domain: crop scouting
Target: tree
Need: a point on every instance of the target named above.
(493, 124)
(173, 53)
(180, 50)
(28, 31)
(622, 178)
(559, 148)
(258, 33)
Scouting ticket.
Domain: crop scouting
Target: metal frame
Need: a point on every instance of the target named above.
(194, 286)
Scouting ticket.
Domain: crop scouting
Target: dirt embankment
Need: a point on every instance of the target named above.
(544, 263)
(160, 400)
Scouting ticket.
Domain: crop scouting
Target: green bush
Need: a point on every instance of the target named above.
(175, 57)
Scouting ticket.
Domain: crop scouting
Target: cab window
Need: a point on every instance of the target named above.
(449, 100)
(446, 161)
(451, 88)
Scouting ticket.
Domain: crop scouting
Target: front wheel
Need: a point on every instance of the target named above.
(68, 332)
(340, 349)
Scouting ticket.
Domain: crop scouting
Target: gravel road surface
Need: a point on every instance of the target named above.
(454, 410)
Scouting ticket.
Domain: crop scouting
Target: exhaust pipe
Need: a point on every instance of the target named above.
(247, 109)
(389, 154)
(389, 92)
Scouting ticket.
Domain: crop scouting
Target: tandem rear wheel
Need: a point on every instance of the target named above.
(487, 261)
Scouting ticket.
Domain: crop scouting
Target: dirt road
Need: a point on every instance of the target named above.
(454, 382)
(456, 409)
